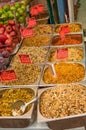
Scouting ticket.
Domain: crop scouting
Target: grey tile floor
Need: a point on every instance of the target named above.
(81, 17)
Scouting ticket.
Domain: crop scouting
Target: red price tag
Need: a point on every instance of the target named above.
(64, 30)
(25, 58)
(31, 22)
(36, 9)
(62, 53)
(40, 8)
(26, 32)
(8, 75)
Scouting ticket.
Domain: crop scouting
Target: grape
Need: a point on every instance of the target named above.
(2, 60)
(5, 54)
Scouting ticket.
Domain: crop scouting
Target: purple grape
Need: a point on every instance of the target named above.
(5, 54)
(2, 60)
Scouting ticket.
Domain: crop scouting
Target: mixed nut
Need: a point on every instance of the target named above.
(37, 55)
(61, 101)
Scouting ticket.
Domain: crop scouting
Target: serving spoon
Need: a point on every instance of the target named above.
(19, 107)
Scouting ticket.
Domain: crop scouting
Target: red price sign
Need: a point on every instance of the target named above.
(64, 30)
(31, 22)
(25, 58)
(62, 53)
(36, 9)
(26, 32)
(40, 8)
(8, 75)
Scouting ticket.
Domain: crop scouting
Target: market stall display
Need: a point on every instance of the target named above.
(43, 58)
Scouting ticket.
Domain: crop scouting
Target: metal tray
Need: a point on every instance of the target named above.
(78, 37)
(53, 49)
(48, 64)
(28, 114)
(41, 118)
(80, 30)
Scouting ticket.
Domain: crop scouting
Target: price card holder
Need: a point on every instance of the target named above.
(25, 58)
(62, 53)
(8, 75)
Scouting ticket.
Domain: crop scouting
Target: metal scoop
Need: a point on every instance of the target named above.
(52, 69)
(19, 107)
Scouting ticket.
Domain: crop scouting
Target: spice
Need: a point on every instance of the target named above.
(63, 100)
(9, 96)
(26, 74)
(37, 54)
(66, 73)
(73, 27)
(74, 54)
(43, 29)
(67, 40)
(37, 40)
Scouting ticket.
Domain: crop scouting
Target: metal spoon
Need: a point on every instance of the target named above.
(19, 107)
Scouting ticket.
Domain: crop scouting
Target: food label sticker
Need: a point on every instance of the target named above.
(31, 22)
(25, 58)
(27, 32)
(62, 53)
(8, 75)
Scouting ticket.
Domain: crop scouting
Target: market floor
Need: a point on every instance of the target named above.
(81, 16)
